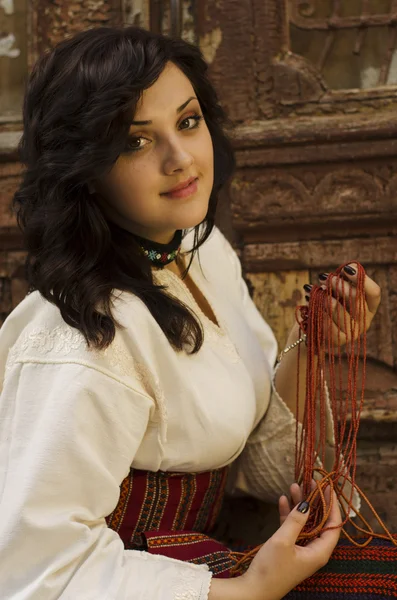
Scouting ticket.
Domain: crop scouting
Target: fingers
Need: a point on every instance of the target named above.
(293, 524)
(344, 289)
(341, 318)
(283, 508)
(284, 505)
(296, 494)
(343, 311)
(328, 539)
(319, 550)
(345, 293)
(371, 288)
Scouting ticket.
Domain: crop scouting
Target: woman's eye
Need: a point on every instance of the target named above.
(191, 122)
(136, 143)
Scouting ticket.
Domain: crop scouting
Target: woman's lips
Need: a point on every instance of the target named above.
(184, 192)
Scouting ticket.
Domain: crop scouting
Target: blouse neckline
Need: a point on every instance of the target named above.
(214, 334)
(219, 325)
(177, 282)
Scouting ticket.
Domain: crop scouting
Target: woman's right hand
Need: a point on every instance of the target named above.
(281, 564)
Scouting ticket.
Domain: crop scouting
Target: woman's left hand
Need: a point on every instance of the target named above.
(285, 504)
(349, 329)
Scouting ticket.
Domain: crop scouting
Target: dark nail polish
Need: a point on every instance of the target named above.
(323, 276)
(307, 298)
(350, 270)
(303, 507)
(307, 287)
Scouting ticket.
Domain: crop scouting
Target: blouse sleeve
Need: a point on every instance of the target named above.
(266, 468)
(68, 436)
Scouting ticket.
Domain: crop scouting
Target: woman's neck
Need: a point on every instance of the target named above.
(177, 266)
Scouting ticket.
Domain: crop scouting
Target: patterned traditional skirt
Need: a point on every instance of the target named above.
(173, 514)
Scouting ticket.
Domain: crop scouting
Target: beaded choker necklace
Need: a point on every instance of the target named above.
(161, 254)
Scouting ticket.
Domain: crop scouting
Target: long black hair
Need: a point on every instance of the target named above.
(77, 111)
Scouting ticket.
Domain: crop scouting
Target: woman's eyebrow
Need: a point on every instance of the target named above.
(178, 110)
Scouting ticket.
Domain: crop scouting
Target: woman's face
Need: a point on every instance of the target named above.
(169, 145)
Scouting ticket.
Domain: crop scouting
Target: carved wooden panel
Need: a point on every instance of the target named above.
(320, 198)
(352, 44)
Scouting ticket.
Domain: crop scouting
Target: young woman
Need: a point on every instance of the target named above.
(136, 376)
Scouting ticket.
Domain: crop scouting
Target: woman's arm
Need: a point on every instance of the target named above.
(286, 377)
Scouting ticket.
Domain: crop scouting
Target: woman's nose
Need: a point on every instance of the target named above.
(177, 158)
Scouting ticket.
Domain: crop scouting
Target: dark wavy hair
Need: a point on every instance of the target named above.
(77, 111)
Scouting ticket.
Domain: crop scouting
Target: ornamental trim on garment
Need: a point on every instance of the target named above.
(185, 587)
(63, 340)
(212, 333)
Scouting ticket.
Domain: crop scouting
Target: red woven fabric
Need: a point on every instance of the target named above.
(171, 514)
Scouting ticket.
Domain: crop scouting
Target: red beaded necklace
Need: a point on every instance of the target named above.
(325, 363)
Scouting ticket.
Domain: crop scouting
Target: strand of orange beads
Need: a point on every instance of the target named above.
(335, 326)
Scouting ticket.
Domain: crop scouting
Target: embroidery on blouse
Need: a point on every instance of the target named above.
(63, 340)
(185, 585)
(216, 335)
(185, 588)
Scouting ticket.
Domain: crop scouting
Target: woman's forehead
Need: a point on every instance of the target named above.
(165, 96)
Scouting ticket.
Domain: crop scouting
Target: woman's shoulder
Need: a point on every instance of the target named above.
(216, 253)
(216, 239)
(36, 332)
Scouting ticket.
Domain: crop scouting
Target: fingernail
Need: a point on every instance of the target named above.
(349, 270)
(323, 276)
(303, 507)
(307, 287)
(307, 298)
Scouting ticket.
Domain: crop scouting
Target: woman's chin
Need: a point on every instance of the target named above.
(192, 219)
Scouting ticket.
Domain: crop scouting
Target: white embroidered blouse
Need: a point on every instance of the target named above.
(73, 421)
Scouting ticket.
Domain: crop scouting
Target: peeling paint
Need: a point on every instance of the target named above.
(8, 6)
(94, 5)
(209, 44)
(6, 44)
(188, 22)
(136, 12)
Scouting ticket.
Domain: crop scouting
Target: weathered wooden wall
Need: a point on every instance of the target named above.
(315, 187)
(316, 183)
